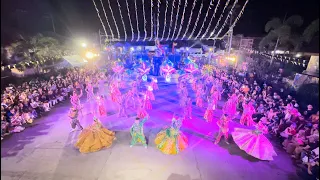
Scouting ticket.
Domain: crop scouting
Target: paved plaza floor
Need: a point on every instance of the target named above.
(45, 151)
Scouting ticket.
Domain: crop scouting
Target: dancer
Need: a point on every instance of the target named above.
(149, 93)
(230, 107)
(248, 111)
(136, 132)
(73, 115)
(171, 140)
(114, 92)
(154, 83)
(188, 108)
(254, 143)
(75, 99)
(89, 91)
(147, 102)
(223, 124)
(142, 111)
(122, 106)
(101, 108)
(208, 115)
(95, 137)
(199, 97)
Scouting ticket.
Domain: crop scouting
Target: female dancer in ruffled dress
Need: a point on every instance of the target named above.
(248, 111)
(254, 143)
(149, 93)
(208, 115)
(223, 124)
(101, 108)
(147, 102)
(199, 96)
(171, 140)
(94, 138)
(142, 111)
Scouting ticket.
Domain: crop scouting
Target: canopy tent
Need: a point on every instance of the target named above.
(74, 61)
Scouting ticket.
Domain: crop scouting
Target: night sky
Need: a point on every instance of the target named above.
(74, 18)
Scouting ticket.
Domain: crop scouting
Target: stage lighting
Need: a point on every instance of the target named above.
(132, 49)
(89, 55)
(84, 45)
(298, 55)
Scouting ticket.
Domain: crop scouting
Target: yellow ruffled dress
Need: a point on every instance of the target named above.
(171, 141)
(94, 138)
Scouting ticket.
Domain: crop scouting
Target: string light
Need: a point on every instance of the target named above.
(182, 19)
(132, 37)
(165, 19)
(104, 28)
(151, 20)
(238, 17)
(115, 22)
(190, 17)
(158, 14)
(195, 26)
(177, 15)
(137, 19)
(204, 20)
(124, 27)
(171, 19)
(144, 22)
(221, 15)
(226, 20)
(209, 25)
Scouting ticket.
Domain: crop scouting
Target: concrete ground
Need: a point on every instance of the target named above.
(45, 151)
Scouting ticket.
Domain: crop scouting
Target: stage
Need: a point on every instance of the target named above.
(46, 150)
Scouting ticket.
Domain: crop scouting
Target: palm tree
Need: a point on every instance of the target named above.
(311, 31)
(281, 33)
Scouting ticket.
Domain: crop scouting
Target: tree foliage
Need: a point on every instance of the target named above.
(286, 32)
(283, 31)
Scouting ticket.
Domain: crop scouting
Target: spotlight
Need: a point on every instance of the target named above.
(84, 45)
(132, 49)
(89, 55)
(298, 55)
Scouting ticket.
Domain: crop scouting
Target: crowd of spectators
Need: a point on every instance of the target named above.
(296, 128)
(21, 104)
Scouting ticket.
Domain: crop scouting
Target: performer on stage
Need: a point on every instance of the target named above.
(73, 115)
(188, 108)
(154, 83)
(199, 97)
(122, 106)
(149, 93)
(248, 111)
(230, 107)
(75, 100)
(94, 138)
(208, 115)
(171, 140)
(89, 91)
(136, 132)
(223, 124)
(254, 143)
(142, 111)
(101, 108)
(114, 92)
(147, 102)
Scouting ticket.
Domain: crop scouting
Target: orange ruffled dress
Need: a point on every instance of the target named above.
(171, 140)
(94, 138)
